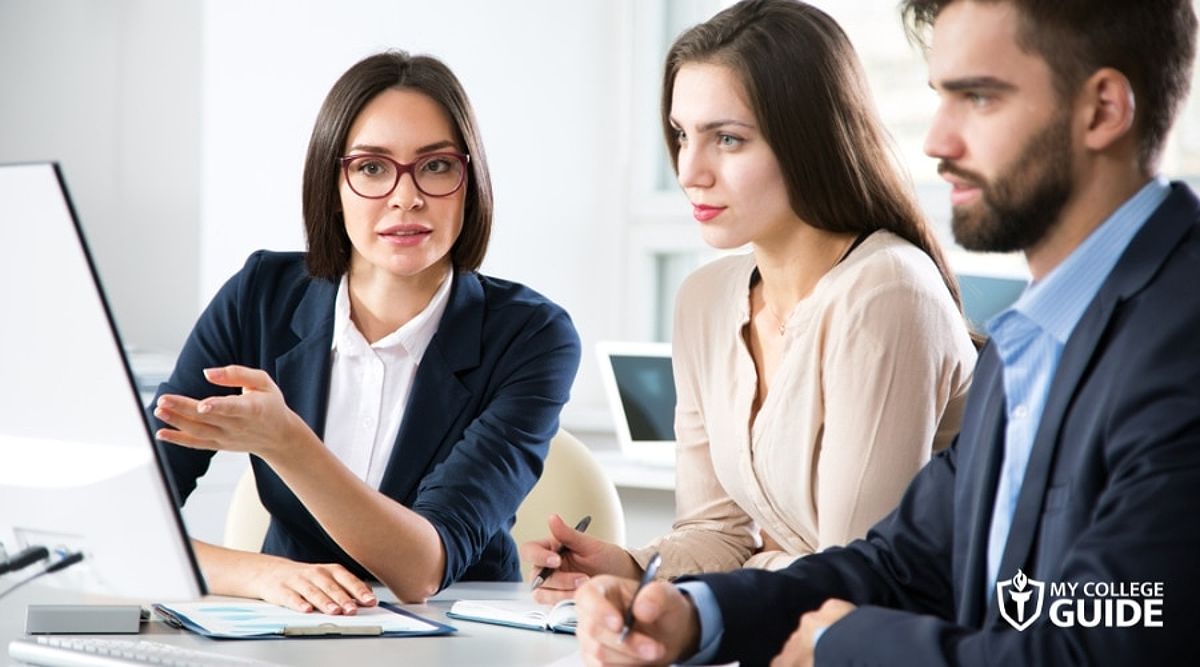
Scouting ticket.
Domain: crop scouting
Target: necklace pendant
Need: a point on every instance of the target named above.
(782, 328)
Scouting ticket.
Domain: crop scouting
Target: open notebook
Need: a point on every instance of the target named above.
(518, 614)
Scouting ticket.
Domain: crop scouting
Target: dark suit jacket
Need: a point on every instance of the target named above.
(1111, 494)
(483, 406)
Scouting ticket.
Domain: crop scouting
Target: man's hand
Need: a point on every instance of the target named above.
(798, 651)
(666, 625)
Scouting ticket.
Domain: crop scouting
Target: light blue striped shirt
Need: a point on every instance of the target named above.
(1030, 337)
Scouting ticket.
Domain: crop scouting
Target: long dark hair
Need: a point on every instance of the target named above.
(810, 99)
(328, 244)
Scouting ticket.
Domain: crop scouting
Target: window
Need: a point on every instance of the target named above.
(663, 244)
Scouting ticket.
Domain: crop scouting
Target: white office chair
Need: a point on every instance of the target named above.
(573, 484)
(247, 520)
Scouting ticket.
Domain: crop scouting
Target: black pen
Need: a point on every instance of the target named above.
(647, 577)
(580, 527)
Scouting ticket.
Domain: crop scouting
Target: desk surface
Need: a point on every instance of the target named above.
(473, 644)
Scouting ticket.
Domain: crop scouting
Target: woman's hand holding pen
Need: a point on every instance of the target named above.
(584, 556)
(666, 625)
(257, 420)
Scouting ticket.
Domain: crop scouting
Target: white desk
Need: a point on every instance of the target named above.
(473, 644)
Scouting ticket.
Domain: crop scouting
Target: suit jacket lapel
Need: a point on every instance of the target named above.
(302, 372)
(1140, 261)
(982, 474)
(438, 395)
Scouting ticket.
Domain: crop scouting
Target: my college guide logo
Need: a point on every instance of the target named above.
(1026, 595)
(1087, 604)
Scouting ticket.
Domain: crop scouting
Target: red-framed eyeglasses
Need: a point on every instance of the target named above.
(376, 176)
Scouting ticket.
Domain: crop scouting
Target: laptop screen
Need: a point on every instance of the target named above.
(640, 389)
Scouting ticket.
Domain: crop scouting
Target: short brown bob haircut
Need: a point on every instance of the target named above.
(328, 244)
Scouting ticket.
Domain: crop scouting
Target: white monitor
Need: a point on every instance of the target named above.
(640, 389)
(79, 469)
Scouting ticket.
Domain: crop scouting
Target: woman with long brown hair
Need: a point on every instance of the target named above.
(816, 374)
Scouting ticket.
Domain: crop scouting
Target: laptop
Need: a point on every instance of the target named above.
(640, 389)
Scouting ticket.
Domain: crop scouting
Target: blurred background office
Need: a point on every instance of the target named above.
(181, 127)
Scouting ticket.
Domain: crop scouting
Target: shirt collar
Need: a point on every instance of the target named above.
(1057, 302)
(413, 336)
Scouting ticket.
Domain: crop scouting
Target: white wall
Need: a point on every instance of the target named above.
(543, 76)
(110, 89)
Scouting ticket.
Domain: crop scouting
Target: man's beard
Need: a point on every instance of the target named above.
(1021, 205)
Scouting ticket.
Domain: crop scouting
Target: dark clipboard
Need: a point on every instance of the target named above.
(316, 631)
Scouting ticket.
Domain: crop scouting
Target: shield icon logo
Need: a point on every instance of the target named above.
(1026, 595)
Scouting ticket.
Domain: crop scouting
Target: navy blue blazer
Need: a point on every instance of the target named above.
(1111, 494)
(483, 406)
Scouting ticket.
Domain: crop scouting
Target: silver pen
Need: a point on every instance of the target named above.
(647, 577)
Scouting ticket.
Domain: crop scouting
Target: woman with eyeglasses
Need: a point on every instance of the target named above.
(397, 405)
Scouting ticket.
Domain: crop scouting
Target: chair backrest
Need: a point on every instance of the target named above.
(572, 484)
(247, 520)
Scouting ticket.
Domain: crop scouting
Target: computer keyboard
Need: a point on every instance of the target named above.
(93, 652)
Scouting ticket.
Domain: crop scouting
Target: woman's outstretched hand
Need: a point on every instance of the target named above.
(257, 420)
